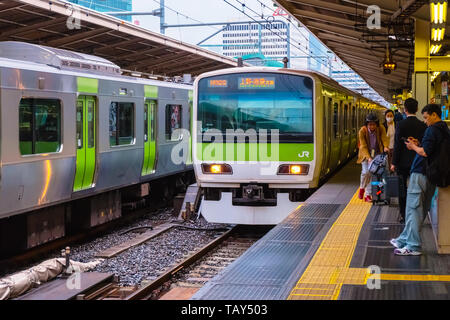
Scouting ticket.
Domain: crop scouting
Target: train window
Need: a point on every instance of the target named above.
(39, 126)
(91, 123)
(173, 122)
(149, 107)
(354, 121)
(121, 123)
(145, 122)
(346, 119)
(335, 119)
(79, 124)
(152, 120)
(257, 101)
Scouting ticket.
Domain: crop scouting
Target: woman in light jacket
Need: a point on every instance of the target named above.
(372, 141)
(389, 125)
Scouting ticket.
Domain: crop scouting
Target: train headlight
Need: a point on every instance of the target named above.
(216, 168)
(293, 169)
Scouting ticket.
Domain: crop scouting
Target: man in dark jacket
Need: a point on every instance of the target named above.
(420, 189)
(402, 158)
(398, 116)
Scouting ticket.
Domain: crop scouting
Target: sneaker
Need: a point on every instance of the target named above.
(394, 243)
(406, 252)
(361, 193)
(368, 198)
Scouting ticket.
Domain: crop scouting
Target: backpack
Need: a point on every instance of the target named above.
(437, 168)
(378, 164)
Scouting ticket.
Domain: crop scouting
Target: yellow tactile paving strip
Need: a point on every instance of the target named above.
(330, 268)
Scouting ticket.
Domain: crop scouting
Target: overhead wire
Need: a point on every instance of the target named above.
(265, 27)
(273, 11)
(184, 15)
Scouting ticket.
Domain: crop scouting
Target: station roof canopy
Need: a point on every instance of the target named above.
(55, 24)
(342, 26)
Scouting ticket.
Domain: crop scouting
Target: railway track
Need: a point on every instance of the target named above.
(187, 276)
(32, 255)
(187, 283)
(181, 278)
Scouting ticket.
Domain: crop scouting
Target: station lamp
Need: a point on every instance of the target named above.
(438, 11)
(438, 14)
(435, 48)
(434, 76)
(437, 34)
(388, 63)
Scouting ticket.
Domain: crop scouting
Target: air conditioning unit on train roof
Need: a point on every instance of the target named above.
(58, 58)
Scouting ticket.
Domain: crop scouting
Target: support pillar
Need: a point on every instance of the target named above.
(421, 84)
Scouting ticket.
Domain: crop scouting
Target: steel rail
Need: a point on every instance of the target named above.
(145, 292)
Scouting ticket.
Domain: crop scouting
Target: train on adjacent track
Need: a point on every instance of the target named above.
(265, 137)
(77, 137)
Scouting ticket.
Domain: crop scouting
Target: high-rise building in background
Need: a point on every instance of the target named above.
(274, 40)
(107, 6)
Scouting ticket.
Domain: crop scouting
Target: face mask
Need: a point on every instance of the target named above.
(389, 120)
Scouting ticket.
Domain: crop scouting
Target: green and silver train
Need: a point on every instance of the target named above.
(77, 138)
(263, 137)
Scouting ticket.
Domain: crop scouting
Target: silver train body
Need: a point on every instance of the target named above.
(31, 180)
(246, 189)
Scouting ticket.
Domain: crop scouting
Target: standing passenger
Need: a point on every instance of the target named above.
(420, 189)
(398, 116)
(403, 158)
(389, 125)
(372, 141)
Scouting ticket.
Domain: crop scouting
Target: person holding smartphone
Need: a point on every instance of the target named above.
(421, 189)
(402, 158)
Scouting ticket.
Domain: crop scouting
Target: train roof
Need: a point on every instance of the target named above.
(34, 57)
(323, 78)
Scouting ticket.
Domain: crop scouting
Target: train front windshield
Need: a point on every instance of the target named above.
(258, 101)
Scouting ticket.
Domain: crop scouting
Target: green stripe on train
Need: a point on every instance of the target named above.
(255, 152)
(87, 85)
(151, 92)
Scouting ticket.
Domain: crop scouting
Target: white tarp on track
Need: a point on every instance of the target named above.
(14, 285)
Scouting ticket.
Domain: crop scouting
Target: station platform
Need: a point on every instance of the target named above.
(334, 246)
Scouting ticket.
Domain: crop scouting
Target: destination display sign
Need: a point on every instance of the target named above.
(218, 83)
(257, 83)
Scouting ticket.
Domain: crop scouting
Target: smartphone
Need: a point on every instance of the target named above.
(404, 139)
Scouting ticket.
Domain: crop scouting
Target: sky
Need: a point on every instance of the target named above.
(205, 11)
(213, 11)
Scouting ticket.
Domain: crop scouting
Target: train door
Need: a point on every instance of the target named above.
(354, 127)
(86, 142)
(327, 106)
(148, 166)
(191, 125)
(344, 132)
(335, 137)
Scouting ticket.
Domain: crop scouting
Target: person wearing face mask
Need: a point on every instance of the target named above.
(389, 125)
(372, 141)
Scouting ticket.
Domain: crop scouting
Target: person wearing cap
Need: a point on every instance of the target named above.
(372, 141)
